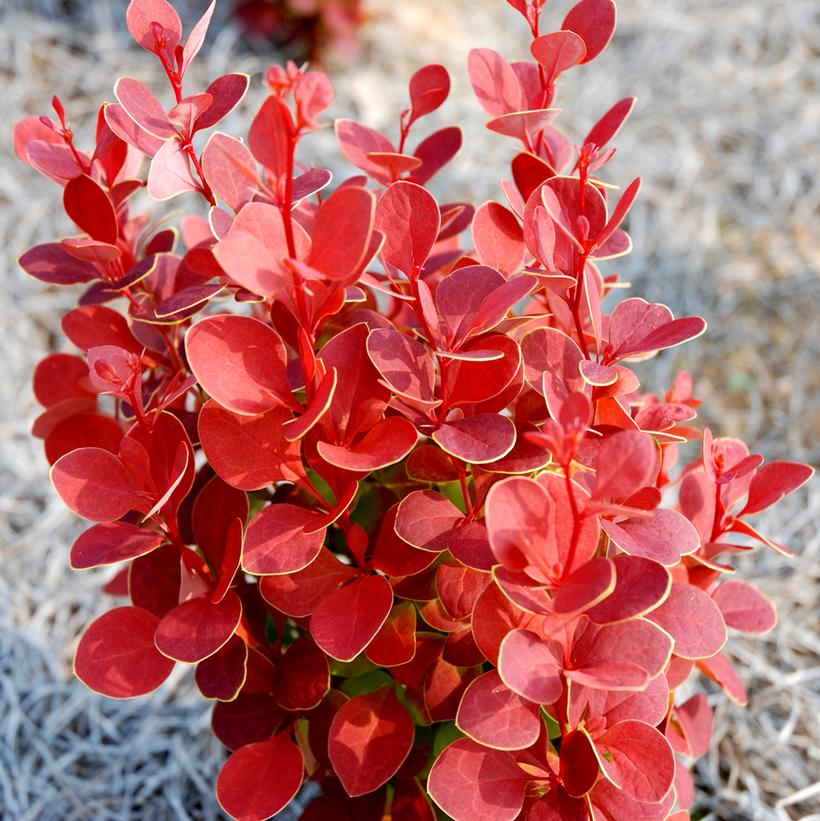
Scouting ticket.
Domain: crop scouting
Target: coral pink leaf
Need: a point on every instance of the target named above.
(386, 443)
(196, 38)
(222, 675)
(579, 767)
(260, 779)
(528, 667)
(403, 362)
(640, 585)
(612, 676)
(91, 209)
(721, 670)
(144, 108)
(370, 737)
(517, 510)
(586, 586)
(346, 621)
(197, 628)
(429, 88)
(598, 375)
(170, 172)
(664, 536)
(409, 217)
(627, 461)
(342, 231)
(744, 607)
(594, 22)
(494, 716)
(638, 759)
(249, 452)
(470, 782)
(696, 719)
(494, 82)
(51, 263)
(111, 542)
(357, 141)
(558, 51)
(693, 620)
(117, 657)
(774, 481)
(147, 19)
(498, 238)
(230, 170)
(276, 541)
(241, 362)
(127, 130)
(94, 484)
(478, 439)
(610, 124)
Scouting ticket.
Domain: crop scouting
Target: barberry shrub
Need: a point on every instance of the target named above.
(379, 466)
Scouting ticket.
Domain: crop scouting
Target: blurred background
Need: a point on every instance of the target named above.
(725, 135)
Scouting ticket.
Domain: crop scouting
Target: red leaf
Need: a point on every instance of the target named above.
(241, 362)
(370, 737)
(693, 620)
(270, 134)
(51, 263)
(282, 538)
(226, 93)
(94, 484)
(594, 22)
(579, 767)
(302, 677)
(528, 667)
(409, 217)
(91, 209)
(695, 718)
(395, 643)
(610, 124)
(494, 716)
(638, 759)
(197, 628)
(517, 512)
(222, 675)
(640, 585)
(249, 452)
(346, 621)
(386, 443)
(469, 781)
(774, 481)
(112, 542)
(477, 439)
(297, 594)
(427, 520)
(117, 657)
(83, 430)
(435, 152)
(744, 607)
(429, 88)
(260, 779)
(342, 232)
